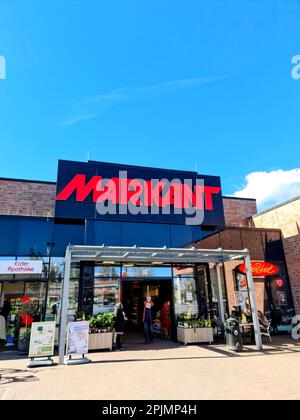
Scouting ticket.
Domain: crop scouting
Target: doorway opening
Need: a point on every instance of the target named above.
(134, 293)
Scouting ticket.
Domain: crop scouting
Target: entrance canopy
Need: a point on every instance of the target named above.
(155, 256)
(112, 254)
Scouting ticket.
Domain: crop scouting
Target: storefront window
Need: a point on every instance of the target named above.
(203, 292)
(184, 270)
(56, 268)
(53, 300)
(36, 292)
(73, 296)
(241, 296)
(13, 292)
(146, 271)
(185, 296)
(280, 308)
(107, 271)
(75, 270)
(106, 295)
(215, 298)
(215, 293)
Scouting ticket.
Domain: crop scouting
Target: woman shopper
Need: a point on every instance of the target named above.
(120, 321)
(147, 320)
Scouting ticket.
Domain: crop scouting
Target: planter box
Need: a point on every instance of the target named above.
(190, 335)
(99, 341)
(23, 347)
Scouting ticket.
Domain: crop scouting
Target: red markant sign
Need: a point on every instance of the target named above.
(260, 269)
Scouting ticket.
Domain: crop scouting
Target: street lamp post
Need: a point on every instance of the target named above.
(50, 245)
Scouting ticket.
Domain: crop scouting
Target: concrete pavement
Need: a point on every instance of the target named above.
(162, 371)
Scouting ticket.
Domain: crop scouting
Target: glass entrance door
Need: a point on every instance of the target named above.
(134, 293)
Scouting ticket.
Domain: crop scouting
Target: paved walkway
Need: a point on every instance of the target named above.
(172, 372)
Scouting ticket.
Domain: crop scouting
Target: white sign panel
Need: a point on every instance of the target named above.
(21, 267)
(239, 298)
(78, 337)
(42, 339)
(189, 296)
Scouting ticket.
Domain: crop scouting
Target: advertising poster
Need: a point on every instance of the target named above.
(281, 297)
(240, 298)
(42, 339)
(189, 296)
(78, 337)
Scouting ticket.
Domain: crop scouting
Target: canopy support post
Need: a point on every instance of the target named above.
(255, 319)
(220, 293)
(64, 307)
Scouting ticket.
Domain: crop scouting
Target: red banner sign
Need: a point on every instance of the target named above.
(260, 269)
(279, 282)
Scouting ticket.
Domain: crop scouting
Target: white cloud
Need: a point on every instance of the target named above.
(95, 105)
(271, 188)
(76, 120)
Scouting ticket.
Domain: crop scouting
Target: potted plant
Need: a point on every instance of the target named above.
(101, 331)
(10, 335)
(191, 330)
(80, 316)
(24, 340)
(27, 313)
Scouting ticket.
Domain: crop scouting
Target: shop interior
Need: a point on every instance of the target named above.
(134, 293)
(14, 291)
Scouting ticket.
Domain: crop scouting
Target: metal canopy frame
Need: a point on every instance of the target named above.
(155, 256)
(152, 255)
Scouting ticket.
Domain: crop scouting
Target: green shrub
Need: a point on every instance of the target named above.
(102, 323)
(186, 320)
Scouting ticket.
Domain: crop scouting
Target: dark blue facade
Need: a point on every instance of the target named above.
(30, 236)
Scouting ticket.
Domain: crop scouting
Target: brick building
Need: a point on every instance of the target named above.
(27, 198)
(286, 217)
(31, 230)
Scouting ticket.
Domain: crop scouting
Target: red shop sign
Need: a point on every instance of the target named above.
(279, 282)
(243, 282)
(260, 269)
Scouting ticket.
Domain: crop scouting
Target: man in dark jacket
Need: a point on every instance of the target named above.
(6, 309)
(120, 326)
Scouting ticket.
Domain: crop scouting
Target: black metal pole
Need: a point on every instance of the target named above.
(49, 246)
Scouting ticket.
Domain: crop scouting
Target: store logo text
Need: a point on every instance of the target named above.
(139, 196)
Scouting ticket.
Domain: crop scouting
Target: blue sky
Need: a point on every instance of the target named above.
(175, 84)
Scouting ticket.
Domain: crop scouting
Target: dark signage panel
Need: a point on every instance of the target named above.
(85, 187)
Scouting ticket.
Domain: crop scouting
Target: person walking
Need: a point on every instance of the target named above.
(6, 309)
(147, 320)
(165, 319)
(2, 331)
(120, 320)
